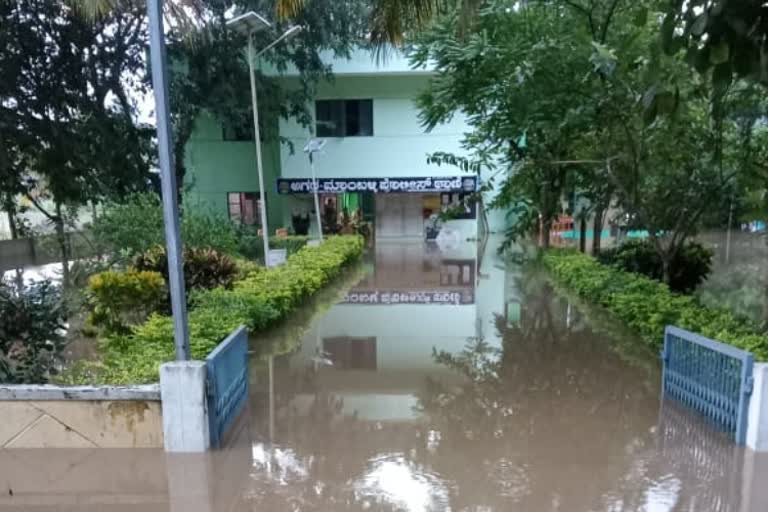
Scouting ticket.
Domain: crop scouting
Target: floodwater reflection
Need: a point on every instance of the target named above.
(442, 381)
(514, 399)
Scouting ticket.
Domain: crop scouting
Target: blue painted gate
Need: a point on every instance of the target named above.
(710, 377)
(227, 375)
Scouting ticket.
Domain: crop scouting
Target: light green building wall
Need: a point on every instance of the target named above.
(216, 167)
(398, 148)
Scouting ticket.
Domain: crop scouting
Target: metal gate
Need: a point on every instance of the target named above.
(227, 376)
(710, 377)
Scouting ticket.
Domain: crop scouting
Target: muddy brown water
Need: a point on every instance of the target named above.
(445, 380)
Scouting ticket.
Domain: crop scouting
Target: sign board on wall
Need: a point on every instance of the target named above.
(378, 185)
(451, 297)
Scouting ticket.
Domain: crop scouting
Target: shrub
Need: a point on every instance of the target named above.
(134, 226)
(258, 301)
(688, 269)
(203, 268)
(31, 332)
(119, 300)
(648, 306)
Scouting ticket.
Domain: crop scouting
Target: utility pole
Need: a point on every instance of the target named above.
(168, 180)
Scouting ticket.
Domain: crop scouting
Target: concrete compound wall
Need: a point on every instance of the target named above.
(80, 417)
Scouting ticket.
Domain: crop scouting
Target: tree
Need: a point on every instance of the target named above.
(390, 21)
(518, 79)
(211, 71)
(672, 134)
(727, 37)
(31, 326)
(67, 113)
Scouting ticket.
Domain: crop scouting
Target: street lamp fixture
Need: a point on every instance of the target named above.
(249, 24)
(312, 147)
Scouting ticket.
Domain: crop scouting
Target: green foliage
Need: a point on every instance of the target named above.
(135, 225)
(121, 300)
(258, 301)
(648, 306)
(31, 332)
(67, 123)
(726, 37)
(210, 71)
(204, 268)
(688, 269)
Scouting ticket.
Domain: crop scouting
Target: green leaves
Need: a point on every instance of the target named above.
(699, 26)
(32, 323)
(603, 58)
(722, 76)
(647, 306)
(641, 16)
(134, 225)
(120, 300)
(719, 52)
(258, 300)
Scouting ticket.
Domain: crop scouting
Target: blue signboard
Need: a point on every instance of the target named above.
(378, 185)
(227, 375)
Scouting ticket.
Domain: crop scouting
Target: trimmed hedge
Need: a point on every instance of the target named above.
(647, 306)
(259, 300)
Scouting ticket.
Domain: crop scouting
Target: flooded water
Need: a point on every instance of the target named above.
(442, 381)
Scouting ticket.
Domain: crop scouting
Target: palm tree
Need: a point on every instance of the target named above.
(391, 20)
(183, 14)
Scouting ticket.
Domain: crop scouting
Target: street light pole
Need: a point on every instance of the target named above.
(249, 24)
(257, 142)
(168, 180)
(315, 146)
(317, 199)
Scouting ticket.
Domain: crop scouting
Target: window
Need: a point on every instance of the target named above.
(237, 130)
(348, 353)
(459, 205)
(344, 118)
(244, 207)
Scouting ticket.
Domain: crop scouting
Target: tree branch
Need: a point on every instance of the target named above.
(36, 203)
(607, 22)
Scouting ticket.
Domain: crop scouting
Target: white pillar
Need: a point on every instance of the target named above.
(757, 419)
(185, 409)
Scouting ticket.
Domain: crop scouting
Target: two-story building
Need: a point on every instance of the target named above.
(374, 158)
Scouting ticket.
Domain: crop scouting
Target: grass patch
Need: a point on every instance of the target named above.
(648, 306)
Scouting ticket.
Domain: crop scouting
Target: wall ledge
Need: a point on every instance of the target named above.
(12, 392)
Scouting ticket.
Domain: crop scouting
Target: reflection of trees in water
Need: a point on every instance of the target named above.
(552, 419)
(551, 403)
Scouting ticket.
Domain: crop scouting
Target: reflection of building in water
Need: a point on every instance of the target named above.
(373, 360)
(417, 274)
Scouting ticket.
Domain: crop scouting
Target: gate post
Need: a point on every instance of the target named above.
(185, 408)
(757, 421)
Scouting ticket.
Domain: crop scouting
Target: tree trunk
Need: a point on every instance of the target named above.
(12, 225)
(583, 233)
(597, 230)
(546, 226)
(61, 238)
(666, 273)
